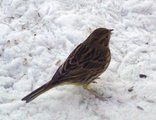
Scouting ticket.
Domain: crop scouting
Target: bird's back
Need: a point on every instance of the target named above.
(84, 63)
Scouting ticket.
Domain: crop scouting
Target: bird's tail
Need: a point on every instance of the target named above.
(38, 91)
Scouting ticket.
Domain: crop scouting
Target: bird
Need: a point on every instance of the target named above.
(85, 63)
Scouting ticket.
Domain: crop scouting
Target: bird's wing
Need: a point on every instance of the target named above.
(80, 62)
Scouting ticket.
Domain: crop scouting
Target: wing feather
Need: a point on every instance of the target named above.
(80, 62)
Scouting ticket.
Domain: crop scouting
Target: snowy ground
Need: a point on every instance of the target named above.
(36, 36)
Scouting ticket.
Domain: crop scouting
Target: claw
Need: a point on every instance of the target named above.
(92, 92)
(94, 82)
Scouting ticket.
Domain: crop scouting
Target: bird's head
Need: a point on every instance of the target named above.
(99, 36)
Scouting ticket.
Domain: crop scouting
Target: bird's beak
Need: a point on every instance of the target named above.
(111, 30)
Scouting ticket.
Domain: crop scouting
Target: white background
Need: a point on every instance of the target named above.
(36, 36)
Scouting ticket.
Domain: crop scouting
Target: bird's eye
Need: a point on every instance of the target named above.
(107, 36)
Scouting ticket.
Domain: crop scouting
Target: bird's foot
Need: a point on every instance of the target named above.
(94, 82)
(93, 92)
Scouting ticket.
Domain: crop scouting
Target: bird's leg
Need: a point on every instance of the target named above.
(94, 81)
(91, 91)
(88, 88)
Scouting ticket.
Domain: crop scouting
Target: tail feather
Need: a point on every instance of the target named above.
(38, 92)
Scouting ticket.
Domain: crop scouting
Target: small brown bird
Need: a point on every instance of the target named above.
(87, 61)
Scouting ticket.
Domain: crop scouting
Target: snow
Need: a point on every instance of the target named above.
(36, 36)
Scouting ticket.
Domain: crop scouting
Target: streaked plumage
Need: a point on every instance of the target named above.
(87, 61)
